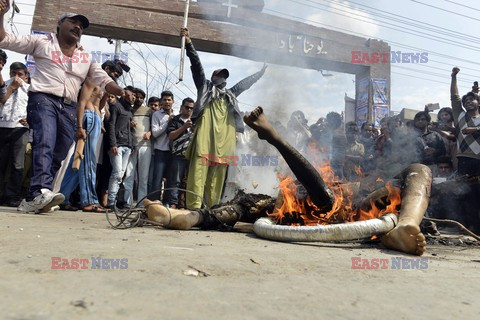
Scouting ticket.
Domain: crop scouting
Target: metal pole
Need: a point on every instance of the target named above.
(118, 49)
(182, 53)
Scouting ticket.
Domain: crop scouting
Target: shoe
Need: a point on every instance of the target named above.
(68, 207)
(42, 203)
(28, 206)
(55, 200)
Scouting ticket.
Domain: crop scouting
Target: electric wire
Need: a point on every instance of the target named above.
(365, 35)
(402, 19)
(449, 11)
(403, 30)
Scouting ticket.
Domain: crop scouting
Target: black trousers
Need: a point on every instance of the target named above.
(13, 142)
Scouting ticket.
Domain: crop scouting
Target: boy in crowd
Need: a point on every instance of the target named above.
(13, 131)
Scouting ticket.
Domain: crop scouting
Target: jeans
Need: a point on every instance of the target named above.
(53, 123)
(86, 175)
(13, 143)
(161, 161)
(139, 161)
(177, 171)
(119, 164)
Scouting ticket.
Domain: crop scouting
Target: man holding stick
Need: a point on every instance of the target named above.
(53, 98)
(217, 119)
(83, 166)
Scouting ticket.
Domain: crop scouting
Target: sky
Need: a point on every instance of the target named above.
(443, 28)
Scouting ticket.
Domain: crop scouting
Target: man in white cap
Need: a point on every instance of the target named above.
(62, 65)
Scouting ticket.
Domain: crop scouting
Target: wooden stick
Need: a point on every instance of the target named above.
(458, 224)
(182, 52)
(78, 155)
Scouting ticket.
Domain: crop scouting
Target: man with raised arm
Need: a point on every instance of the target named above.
(217, 119)
(62, 65)
(467, 124)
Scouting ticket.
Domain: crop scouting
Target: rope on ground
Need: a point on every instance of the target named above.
(458, 224)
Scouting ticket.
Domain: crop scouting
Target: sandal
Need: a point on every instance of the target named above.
(94, 208)
(67, 207)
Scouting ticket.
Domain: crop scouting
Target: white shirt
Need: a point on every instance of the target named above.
(15, 108)
(159, 130)
(55, 73)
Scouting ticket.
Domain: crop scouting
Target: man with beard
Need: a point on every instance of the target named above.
(62, 65)
(217, 119)
(468, 129)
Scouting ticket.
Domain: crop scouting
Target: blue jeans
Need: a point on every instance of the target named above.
(53, 124)
(86, 175)
(177, 171)
(139, 162)
(161, 160)
(119, 165)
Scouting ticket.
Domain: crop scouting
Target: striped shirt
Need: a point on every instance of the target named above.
(468, 145)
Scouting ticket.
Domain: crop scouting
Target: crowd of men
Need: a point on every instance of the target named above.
(449, 146)
(357, 151)
(140, 140)
(135, 146)
(120, 142)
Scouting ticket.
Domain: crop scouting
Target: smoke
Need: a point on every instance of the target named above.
(256, 169)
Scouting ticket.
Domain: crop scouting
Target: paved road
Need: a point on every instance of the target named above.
(195, 274)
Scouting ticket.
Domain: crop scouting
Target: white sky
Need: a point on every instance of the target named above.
(286, 89)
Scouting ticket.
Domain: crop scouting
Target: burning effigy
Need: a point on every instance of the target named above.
(327, 212)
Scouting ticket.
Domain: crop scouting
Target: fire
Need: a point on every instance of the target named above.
(359, 172)
(394, 200)
(292, 209)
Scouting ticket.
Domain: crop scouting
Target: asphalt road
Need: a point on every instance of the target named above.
(153, 273)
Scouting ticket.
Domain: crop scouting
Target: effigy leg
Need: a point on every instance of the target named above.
(307, 175)
(406, 236)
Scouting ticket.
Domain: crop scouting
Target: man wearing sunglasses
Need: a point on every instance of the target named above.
(179, 133)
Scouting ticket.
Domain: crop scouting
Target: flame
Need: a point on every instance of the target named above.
(296, 211)
(359, 172)
(394, 200)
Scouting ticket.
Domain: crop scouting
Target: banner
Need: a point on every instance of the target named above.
(379, 112)
(380, 94)
(363, 90)
(362, 115)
